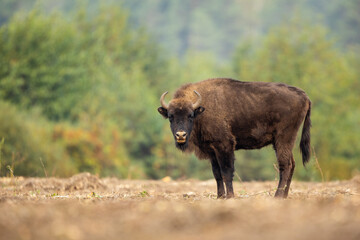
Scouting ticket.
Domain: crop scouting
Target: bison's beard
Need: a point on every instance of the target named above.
(182, 146)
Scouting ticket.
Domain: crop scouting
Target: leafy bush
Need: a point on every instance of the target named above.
(28, 148)
(97, 149)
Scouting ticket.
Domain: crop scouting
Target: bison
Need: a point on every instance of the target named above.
(217, 116)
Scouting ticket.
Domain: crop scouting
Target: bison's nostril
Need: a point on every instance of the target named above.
(180, 134)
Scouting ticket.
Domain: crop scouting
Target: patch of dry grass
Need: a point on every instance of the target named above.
(86, 207)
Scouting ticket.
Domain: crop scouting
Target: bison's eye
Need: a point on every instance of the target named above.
(191, 116)
(171, 118)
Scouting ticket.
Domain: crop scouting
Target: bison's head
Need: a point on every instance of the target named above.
(181, 114)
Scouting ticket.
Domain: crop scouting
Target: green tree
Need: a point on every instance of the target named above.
(92, 71)
(42, 64)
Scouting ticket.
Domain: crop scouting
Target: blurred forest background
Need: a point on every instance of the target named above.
(80, 81)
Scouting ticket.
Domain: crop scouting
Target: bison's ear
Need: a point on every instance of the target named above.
(163, 112)
(198, 111)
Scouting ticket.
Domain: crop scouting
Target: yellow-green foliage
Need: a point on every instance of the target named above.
(95, 76)
(96, 148)
(28, 141)
(80, 92)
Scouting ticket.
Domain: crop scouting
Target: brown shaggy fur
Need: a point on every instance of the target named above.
(241, 115)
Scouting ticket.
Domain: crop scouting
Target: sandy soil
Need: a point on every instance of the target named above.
(86, 207)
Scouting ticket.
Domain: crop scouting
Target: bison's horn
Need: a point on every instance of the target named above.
(163, 104)
(197, 103)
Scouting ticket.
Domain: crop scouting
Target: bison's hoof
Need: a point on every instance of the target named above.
(221, 196)
(280, 194)
(229, 195)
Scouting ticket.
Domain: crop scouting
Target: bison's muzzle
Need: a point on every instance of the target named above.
(180, 137)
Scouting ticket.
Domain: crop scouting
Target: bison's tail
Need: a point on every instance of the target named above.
(305, 137)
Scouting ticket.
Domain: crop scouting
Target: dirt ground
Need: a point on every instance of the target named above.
(86, 207)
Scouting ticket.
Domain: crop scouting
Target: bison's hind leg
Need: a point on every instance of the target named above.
(286, 169)
(290, 177)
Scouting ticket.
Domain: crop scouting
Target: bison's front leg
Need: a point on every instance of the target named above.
(226, 162)
(228, 174)
(217, 175)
